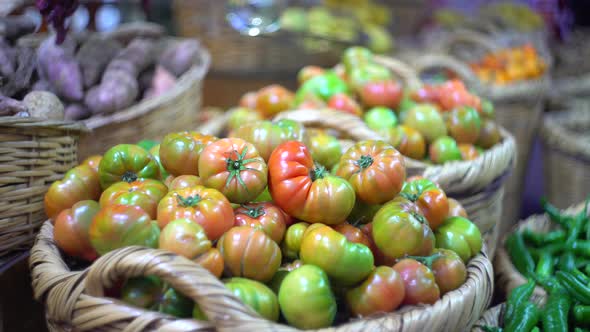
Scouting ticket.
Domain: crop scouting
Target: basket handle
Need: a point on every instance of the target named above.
(401, 69)
(477, 39)
(217, 302)
(444, 61)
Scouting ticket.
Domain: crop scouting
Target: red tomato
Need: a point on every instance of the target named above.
(456, 209)
(185, 238)
(352, 234)
(408, 141)
(184, 181)
(431, 200)
(180, 151)
(93, 162)
(71, 230)
(306, 191)
(249, 253)
(248, 100)
(375, 170)
(145, 193)
(234, 167)
(264, 216)
(207, 207)
(80, 183)
(345, 103)
(384, 93)
(273, 99)
(419, 282)
(212, 261)
(449, 270)
(382, 291)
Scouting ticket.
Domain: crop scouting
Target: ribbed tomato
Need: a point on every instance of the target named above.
(145, 193)
(127, 162)
(431, 200)
(71, 230)
(264, 216)
(180, 151)
(184, 181)
(80, 183)
(382, 291)
(419, 282)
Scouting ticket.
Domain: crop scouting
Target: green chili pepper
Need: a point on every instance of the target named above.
(587, 270)
(545, 265)
(520, 255)
(581, 315)
(525, 318)
(567, 261)
(582, 262)
(543, 239)
(556, 310)
(578, 329)
(535, 329)
(576, 288)
(580, 247)
(555, 214)
(517, 298)
(578, 224)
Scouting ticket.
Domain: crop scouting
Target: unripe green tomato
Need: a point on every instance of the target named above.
(371, 72)
(292, 241)
(464, 124)
(256, 295)
(378, 118)
(356, 56)
(325, 149)
(151, 293)
(426, 119)
(459, 235)
(444, 149)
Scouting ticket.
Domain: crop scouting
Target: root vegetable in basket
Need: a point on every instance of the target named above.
(57, 64)
(7, 60)
(77, 112)
(9, 106)
(179, 58)
(45, 105)
(94, 55)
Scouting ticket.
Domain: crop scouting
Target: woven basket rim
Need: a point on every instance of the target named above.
(490, 317)
(557, 135)
(31, 122)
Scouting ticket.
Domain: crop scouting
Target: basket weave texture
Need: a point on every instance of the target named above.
(33, 154)
(492, 317)
(75, 300)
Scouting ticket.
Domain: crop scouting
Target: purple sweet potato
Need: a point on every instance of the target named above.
(13, 27)
(7, 60)
(9, 106)
(61, 69)
(94, 55)
(180, 57)
(77, 112)
(130, 31)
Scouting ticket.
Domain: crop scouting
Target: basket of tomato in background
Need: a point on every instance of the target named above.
(206, 232)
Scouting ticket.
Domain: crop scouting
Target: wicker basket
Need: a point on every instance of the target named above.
(33, 154)
(507, 275)
(75, 300)
(566, 142)
(492, 317)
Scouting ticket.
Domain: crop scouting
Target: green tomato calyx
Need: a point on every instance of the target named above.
(254, 212)
(364, 162)
(189, 201)
(129, 177)
(426, 260)
(319, 172)
(421, 219)
(236, 165)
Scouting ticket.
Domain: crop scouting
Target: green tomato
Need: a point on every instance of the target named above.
(292, 241)
(459, 235)
(378, 118)
(256, 295)
(324, 86)
(147, 144)
(306, 299)
(325, 149)
(347, 263)
(371, 72)
(127, 162)
(155, 151)
(444, 149)
(264, 196)
(267, 135)
(356, 56)
(464, 124)
(151, 293)
(487, 109)
(426, 119)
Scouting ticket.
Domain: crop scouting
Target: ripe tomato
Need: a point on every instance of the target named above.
(240, 116)
(264, 216)
(375, 170)
(426, 119)
(382, 291)
(180, 151)
(464, 124)
(93, 162)
(212, 261)
(352, 234)
(449, 270)
(431, 200)
(80, 183)
(155, 151)
(398, 228)
(249, 253)
(489, 134)
(347, 263)
(185, 238)
(151, 293)
(386, 93)
(291, 244)
(460, 235)
(184, 181)
(456, 209)
(248, 100)
(345, 103)
(444, 149)
(419, 282)
(325, 149)
(256, 295)
(127, 162)
(234, 167)
(71, 230)
(306, 191)
(145, 193)
(408, 141)
(204, 206)
(266, 135)
(273, 99)
(308, 72)
(117, 226)
(468, 152)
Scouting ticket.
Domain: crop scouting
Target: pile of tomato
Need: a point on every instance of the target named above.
(293, 240)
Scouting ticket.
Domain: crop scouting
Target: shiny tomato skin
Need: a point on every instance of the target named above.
(93, 162)
(308, 72)
(386, 93)
(264, 216)
(184, 181)
(256, 295)
(235, 168)
(127, 162)
(325, 149)
(71, 230)
(249, 253)
(464, 124)
(185, 238)
(489, 134)
(155, 151)
(212, 261)
(267, 135)
(408, 141)
(380, 257)
(382, 291)
(456, 209)
(248, 100)
(80, 183)
(145, 193)
(444, 149)
(449, 270)
(292, 241)
(204, 206)
(117, 226)
(460, 235)
(304, 191)
(242, 115)
(431, 200)
(345, 103)
(375, 169)
(468, 151)
(419, 281)
(352, 234)
(273, 99)
(180, 151)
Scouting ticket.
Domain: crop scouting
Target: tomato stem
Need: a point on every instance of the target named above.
(129, 177)
(426, 260)
(319, 172)
(364, 162)
(254, 212)
(189, 201)
(421, 219)
(237, 165)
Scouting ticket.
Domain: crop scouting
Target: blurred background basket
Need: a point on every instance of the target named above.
(33, 154)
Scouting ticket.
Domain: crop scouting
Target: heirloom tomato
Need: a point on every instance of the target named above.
(147, 144)
(145, 193)
(347, 263)
(459, 235)
(426, 119)
(249, 253)
(248, 100)
(444, 149)
(212, 261)
(184, 181)
(273, 99)
(464, 124)
(398, 229)
(267, 135)
(117, 226)
(93, 162)
(408, 141)
(380, 118)
(449, 270)
(184, 237)
(372, 72)
(379, 257)
(127, 162)
(321, 86)
(456, 209)
(71, 230)
(151, 293)
(431, 200)
(489, 134)
(305, 190)
(155, 151)
(382, 291)
(240, 116)
(79, 183)
(264, 216)
(386, 93)
(306, 299)
(352, 234)
(292, 241)
(419, 282)
(263, 197)
(180, 151)
(308, 72)
(468, 151)
(234, 167)
(345, 103)
(356, 56)
(204, 206)
(256, 295)
(325, 149)
(375, 169)
(363, 213)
